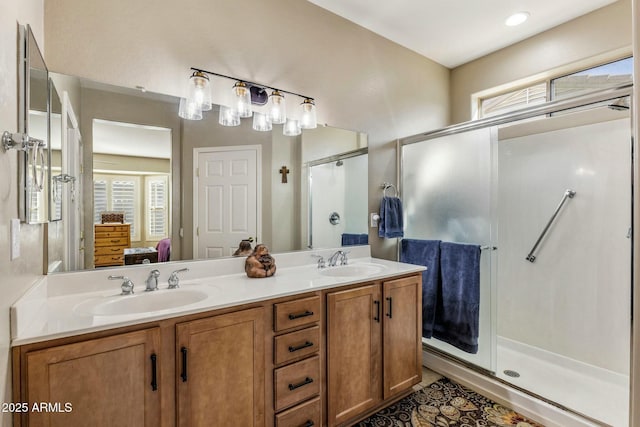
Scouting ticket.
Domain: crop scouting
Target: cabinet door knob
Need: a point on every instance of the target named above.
(377, 316)
(154, 372)
(183, 375)
(303, 383)
(300, 347)
(297, 316)
(390, 313)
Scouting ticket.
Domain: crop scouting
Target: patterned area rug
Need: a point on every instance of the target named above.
(447, 404)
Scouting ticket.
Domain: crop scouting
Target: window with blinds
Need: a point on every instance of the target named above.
(118, 193)
(603, 76)
(157, 207)
(514, 100)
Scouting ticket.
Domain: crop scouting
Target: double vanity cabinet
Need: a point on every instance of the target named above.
(325, 357)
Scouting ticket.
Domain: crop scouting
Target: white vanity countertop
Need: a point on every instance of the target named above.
(55, 306)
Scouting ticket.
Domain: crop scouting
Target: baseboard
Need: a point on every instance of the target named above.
(545, 413)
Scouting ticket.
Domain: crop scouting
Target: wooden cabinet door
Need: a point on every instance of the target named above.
(353, 348)
(402, 333)
(100, 382)
(220, 368)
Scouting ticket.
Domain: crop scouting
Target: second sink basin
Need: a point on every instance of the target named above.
(353, 270)
(142, 302)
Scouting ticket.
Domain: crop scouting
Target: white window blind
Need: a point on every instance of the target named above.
(515, 100)
(157, 204)
(120, 194)
(100, 203)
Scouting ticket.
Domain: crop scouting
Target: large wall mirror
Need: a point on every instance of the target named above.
(143, 165)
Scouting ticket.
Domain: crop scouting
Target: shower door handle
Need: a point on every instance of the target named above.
(568, 194)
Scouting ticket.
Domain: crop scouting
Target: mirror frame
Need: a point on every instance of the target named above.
(27, 47)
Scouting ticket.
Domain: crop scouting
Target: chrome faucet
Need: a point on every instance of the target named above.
(152, 280)
(174, 281)
(321, 263)
(341, 255)
(126, 286)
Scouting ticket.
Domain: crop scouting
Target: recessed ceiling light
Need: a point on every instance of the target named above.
(516, 19)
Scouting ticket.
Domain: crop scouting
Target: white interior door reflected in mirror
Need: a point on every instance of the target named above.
(227, 200)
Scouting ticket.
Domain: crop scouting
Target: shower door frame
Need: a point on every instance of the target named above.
(547, 108)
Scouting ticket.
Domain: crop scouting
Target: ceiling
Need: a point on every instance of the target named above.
(128, 139)
(453, 32)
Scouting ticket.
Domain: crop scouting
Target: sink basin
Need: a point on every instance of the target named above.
(142, 302)
(353, 270)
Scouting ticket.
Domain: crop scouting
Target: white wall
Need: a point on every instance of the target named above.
(360, 80)
(19, 274)
(574, 300)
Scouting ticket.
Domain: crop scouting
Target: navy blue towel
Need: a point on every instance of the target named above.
(391, 221)
(427, 253)
(458, 307)
(354, 239)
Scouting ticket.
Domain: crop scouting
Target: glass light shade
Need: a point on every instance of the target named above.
(308, 114)
(277, 108)
(241, 99)
(189, 110)
(200, 90)
(261, 123)
(228, 116)
(291, 128)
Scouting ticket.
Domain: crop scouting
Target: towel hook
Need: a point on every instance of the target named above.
(385, 186)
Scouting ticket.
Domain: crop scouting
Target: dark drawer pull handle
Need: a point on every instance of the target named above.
(298, 316)
(377, 316)
(154, 372)
(183, 375)
(303, 383)
(390, 313)
(300, 347)
(309, 423)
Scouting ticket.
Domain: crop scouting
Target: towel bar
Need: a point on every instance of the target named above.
(385, 186)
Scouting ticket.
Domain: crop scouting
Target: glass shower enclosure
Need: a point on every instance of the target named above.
(547, 197)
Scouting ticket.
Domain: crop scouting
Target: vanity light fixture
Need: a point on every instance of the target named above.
(308, 114)
(228, 116)
(291, 128)
(516, 19)
(244, 94)
(241, 99)
(189, 109)
(261, 122)
(277, 108)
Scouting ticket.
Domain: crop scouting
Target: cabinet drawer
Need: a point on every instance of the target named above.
(303, 415)
(107, 234)
(297, 344)
(296, 382)
(113, 241)
(108, 250)
(300, 312)
(109, 228)
(104, 260)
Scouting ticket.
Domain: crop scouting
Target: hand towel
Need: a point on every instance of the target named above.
(354, 239)
(391, 221)
(164, 250)
(426, 253)
(458, 306)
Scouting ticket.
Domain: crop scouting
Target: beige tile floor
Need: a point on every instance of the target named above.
(428, 377)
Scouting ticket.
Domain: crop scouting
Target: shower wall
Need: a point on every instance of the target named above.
(340, 188)
(574, 300)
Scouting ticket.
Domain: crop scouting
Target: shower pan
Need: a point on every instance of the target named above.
(552, 195)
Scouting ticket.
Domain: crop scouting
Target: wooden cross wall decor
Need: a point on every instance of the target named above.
(284, 171)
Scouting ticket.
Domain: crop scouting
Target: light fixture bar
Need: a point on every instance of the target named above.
(251, 83)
